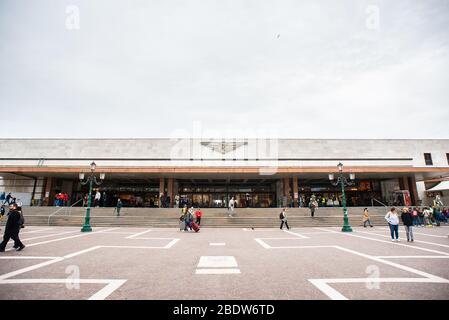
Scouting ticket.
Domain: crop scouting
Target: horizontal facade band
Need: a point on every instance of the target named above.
(217, 169)
(206, 159)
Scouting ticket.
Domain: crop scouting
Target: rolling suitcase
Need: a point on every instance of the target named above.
(195, 227)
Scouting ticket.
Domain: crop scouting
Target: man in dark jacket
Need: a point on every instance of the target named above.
(407, 220)
(12, 229)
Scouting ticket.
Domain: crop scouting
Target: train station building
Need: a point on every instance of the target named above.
(208, 172)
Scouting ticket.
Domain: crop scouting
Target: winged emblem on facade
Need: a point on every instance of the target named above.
(223, 147)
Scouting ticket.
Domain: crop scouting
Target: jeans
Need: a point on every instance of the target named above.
(409, 232)
(394, 230)
(367, 222)
(416, 221)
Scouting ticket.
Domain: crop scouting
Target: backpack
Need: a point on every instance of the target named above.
(281, 215)
(21, 219)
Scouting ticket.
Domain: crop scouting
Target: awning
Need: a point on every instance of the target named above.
(443, 185)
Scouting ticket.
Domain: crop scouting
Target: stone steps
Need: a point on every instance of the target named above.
(237, 221)
(212, 217)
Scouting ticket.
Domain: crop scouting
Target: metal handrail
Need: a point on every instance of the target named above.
(67, 210)
(70, 208)
(372, 202)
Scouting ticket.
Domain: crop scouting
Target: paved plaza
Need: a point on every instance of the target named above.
(303, 263)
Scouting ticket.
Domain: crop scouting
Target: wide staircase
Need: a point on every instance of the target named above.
(212, 217)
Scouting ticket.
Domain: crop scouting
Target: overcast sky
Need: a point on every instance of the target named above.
(253, 68)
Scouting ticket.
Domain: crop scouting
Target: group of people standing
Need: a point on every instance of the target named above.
(392, 218)
(61, 199)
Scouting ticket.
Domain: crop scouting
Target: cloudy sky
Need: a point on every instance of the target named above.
(221, 68)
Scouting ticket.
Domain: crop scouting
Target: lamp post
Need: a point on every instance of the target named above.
(343, 182)
(91, 179)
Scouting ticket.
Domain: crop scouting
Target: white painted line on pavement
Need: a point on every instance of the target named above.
(217, 271)
(327, 289)
(262, 243)
(81, 252)
(171, 243)
(323, 284)
(296, 234)
(60, 239)
(217, 262)
(38, 231)
(416, 241)
(420, 233)
(384, 241)
(393, 264)
(217, 244)
(413, 257)
(49, 235)
(106, 291)
(138, 234)
(33, 267)
(102, 294)
(27, 258)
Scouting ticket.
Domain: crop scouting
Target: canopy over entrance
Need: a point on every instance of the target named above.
(442, 186)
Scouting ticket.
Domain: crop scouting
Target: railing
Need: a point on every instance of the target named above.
(375, 200)
(67, 209)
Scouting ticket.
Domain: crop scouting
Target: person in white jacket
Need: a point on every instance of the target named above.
(393, 221)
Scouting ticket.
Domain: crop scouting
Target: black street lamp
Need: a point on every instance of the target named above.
(343, 181)
(90, 180)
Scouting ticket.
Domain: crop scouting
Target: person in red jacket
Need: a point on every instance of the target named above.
(198, 215)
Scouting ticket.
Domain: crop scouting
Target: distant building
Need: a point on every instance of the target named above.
(207, 173)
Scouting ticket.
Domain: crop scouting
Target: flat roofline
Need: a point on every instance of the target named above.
(230, 139)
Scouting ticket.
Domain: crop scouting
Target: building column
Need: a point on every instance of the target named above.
(279, 192)
(48, 194)
(295, 191)
(170, 191)
(161, 190)
(287, 191)
(413, 190)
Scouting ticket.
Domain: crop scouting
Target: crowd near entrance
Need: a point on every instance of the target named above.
(215, 193)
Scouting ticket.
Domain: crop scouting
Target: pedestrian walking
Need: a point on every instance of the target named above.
(393, 221)
(97, 199)
(118, 207)
(8, 199)
(12, 229)
(283, 218)
(366, 219)
(177, 201)
(231, 207)
(2, 212)
(313, 204)
(407, 220)
(189, 219)
(198, 215)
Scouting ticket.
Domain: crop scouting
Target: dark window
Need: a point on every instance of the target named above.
(447, 156)
(428, 159)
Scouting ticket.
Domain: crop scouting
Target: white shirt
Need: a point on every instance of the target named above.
(392, 218)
